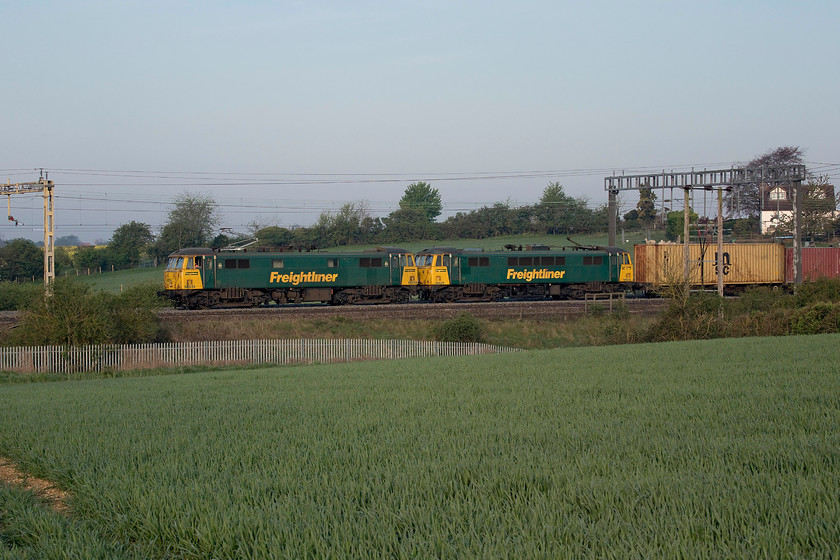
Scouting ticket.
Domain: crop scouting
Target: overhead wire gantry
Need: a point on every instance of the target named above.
(45, 187)
(720, 179)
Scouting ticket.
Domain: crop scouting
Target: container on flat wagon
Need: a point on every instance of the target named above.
(743, 264)
(817, 262)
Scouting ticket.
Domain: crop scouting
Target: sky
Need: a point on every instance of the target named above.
(282, 110)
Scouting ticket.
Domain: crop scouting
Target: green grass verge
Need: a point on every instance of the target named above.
(722, 448)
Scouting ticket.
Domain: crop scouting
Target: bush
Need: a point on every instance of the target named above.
(74, 315)
(761, 299)
(821, 289)
(19, 295)
(463, 328)
(818, 318)
(699, 316)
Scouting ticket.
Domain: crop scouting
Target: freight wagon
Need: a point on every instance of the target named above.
(744, 264)
(449, 274)
(817, 262)
(201, 278)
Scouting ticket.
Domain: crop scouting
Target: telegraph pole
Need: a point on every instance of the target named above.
(45, 187)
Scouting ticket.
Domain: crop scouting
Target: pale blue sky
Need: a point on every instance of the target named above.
(244, 99)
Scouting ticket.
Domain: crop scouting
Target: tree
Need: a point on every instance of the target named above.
(407, 224)
(746, 200)
(421, 196)
(67, 241)
(191, 223)
(21, 260)
(128, 242)
(819, 207)
(274, 236)
(558, 212)
(676, 223)
(646, 206)
(90, 258)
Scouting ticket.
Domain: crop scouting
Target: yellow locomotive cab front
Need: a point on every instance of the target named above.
(433, 269)
(409, 270)
(183, 273)
(626, 271)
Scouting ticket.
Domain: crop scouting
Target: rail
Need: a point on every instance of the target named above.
(62, 359)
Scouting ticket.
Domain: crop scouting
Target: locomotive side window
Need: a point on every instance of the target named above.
(277, 263)
(237, 263)
(512, 261)
(593, 261)
(484, 261)
(560, 261)
(547, 261)
(367, 262)
(332, 263)
(472, 261)
(526, 261)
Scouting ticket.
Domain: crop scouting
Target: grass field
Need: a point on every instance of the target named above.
(119, 280)
(727, 448)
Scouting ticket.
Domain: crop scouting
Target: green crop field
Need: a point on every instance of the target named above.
(714, 449)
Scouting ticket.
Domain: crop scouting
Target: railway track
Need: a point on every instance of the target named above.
(486, 310)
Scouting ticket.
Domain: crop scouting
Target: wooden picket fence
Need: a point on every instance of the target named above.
(62, 359)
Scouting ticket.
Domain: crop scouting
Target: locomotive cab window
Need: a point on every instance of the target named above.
(405, 260)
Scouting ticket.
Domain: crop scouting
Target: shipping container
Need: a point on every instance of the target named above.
(744, 264)
(817, 262)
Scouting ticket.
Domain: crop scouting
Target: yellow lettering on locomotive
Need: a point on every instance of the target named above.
(535, 274)
(295, 278)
